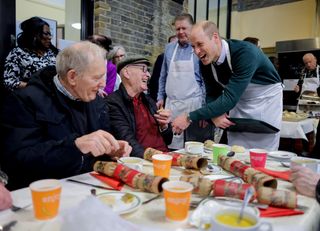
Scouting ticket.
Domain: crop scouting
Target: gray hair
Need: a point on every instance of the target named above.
(114, 51)
(78, 57)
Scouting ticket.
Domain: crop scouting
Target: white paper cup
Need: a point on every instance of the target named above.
(194, 147)
(132, 162)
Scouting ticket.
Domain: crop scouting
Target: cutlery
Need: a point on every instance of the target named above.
(17, 208)
(92, 185)
(247, 196)
(251, 204)
(195, 204)
(225, 200)
(149, 200)
(7, 226)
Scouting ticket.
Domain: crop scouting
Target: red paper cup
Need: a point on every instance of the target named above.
(258, 157)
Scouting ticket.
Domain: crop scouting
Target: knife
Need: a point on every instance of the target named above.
(7, 227)
(93, 185)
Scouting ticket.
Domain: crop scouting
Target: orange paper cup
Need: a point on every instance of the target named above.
(45, 198)
(177, 195)
(161, 165)
(258, 157)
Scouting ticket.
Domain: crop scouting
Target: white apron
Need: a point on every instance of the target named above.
(183, 92)
(261, 102)
(310, 84)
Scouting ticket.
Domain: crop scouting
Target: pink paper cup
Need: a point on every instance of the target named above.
(258, 157)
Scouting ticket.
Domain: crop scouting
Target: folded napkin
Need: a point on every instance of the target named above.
(116, 184)
(278, 174)
(279, 212)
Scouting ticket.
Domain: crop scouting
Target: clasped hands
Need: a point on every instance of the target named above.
(101, 142)
(181, 122)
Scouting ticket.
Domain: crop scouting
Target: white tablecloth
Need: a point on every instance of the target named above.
(297, 130)
(150, 215)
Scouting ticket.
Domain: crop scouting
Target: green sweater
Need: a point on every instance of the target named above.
(249, 65)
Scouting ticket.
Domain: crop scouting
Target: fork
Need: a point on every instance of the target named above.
(195, 204)
(149, 200)
(15, 208)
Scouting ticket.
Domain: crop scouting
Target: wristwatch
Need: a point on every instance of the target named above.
(3, 178)
(318, 191)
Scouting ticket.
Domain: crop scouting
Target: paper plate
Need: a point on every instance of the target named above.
(115, 201)
(281, 155)
(208, 207)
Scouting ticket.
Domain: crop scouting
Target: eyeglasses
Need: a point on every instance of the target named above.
(142, 67)
(118, 56)
(46, 33)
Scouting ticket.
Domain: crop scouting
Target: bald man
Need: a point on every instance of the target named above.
(310, 77)
(240, 80)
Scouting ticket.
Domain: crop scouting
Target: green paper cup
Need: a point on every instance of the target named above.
(219, 149)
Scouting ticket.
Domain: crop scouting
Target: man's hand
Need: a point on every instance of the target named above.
(102, 93)
(304, 180)
(100, 142)
(180, 123)
(5, 198)
(163, 117)
(222, 121)
(160, 104)
(124, 150)
(296, 88)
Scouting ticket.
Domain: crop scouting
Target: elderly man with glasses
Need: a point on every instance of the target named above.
(133, 114)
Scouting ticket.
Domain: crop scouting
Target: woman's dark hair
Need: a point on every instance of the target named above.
(252, 40)
(31, 28)
(101, 40)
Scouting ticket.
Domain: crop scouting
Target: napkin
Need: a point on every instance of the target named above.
(278, 174)
(279, 212)
(116, 184)
(92, 215)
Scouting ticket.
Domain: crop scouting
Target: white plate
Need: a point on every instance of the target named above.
(119, 206)
(281, 155)
(209, 207)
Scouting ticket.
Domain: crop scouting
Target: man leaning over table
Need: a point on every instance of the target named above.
(57, 127)
(240, 80)
(133, 114)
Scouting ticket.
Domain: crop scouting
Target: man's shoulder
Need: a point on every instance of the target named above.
(116, 97)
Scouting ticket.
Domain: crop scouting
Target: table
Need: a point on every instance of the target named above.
(297, 130)
(151, 215)
(298, 137)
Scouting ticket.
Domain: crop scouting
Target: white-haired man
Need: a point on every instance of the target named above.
(57, 125)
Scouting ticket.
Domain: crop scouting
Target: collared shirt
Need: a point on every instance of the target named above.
(147, 132)
(222, 55)
(183, 53)
(62, 89)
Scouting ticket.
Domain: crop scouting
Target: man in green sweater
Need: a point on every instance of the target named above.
(240, 80)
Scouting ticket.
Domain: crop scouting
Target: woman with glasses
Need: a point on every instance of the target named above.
(34, 51)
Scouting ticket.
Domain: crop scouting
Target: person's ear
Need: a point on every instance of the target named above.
(72, 77)
(126, 73)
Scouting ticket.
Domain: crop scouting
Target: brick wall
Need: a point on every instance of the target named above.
(141, 26)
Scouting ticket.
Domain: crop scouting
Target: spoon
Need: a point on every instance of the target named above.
(247, 196)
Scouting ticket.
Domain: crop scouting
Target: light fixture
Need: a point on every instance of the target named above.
(76, 25)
